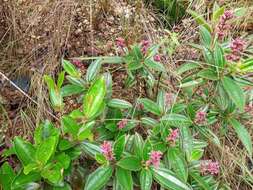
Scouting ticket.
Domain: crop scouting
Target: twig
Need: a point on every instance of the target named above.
(26, 95)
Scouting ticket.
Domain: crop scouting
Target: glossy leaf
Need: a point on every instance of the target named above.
(131, 163)
(208, 74)
(177, 120)
(201, 182)
(154, 65)
(187, 67)
(119, 146)
(71, 89)
(94, 98)
(118, 103)
(24, 150)
(93, 69)
(234, 91)
(146, 179)
(168, 179)
(6, 176)
(46, 149)
(200, 20)
(219, 58)
(70, 69)
(22, 180)
(150, 106)
(178, 163)
(124, 178)
(99, 178)
(206, 37)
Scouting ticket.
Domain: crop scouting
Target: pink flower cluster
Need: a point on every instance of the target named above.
(144, 46)
(173, 136)
(223, 26)
(207, 166)
(237, 47)
(200, 117)
(155, 157)
(106, 148)
(121, 124)
(120, 42)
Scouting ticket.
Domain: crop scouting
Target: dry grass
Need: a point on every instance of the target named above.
(35, 35)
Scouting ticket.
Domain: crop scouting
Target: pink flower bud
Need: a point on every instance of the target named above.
(144, 46)
(121, 124)
(200, 118)
(207, 166)
(77, 63)
(120, 42)
(106, 149)
(155, 157)
(173, 136)
(157, 58)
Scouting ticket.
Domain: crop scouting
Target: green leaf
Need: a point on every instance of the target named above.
(217, 14)
(6, 176)
(187, 67)
(150, 106)
(168, 179)
(53, 173)
(64, 144)
(60, 79)
(219, 58)
(100, 158)
(93, 70)
(50, 82)
(178, 163)
(94, 98)
(71, 89)
(85, 131)
(99, 178)
(243, 135)
(131, 163)
(21, 180)
(63, 159)
(191, 83)
(124, 178)
(118, 103)
(90, 148)
(30, 167)
(149, 121)
(119, 146)
(176, 120)
(46, 149)
(146, 179)
(200, 20)
(70, 69)
(234, 91)
(208, 74)
(154, 65)
(70, 126)
(24, 150)
(186, 141)
(146, 150)
(206, 37)
(201, 182)
(138, 145)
